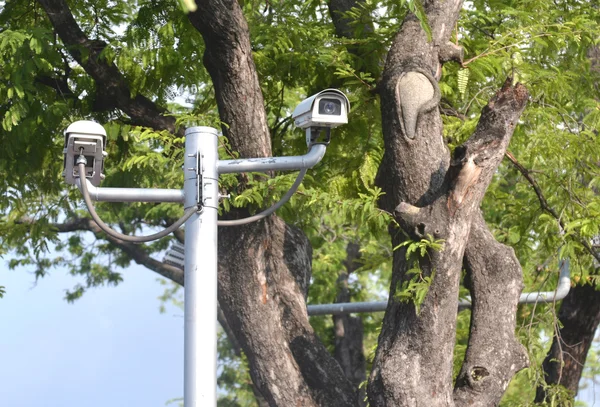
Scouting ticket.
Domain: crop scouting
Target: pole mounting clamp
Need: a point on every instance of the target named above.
(199, 181)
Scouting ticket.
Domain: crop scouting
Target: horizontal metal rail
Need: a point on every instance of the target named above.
(562, 289)
(132, 194)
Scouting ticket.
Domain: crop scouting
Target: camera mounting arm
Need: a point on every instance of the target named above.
(298, 162)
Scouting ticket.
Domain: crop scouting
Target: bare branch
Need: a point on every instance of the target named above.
(545, 206)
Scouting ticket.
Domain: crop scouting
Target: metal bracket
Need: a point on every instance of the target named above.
(199, 181)
(197, 168)
(318, 135)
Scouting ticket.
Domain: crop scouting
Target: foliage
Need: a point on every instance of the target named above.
(542, 43)
(417, 286)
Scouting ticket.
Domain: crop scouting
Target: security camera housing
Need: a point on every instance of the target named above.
(326, 109)
(87, 138)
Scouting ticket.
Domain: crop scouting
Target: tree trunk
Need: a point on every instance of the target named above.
(263, 299)
(437, 199)
(264, 267)
(579, 315)
(493, 355)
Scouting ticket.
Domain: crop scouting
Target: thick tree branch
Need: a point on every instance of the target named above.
(228, 59)
(494, 354)
(112, 90)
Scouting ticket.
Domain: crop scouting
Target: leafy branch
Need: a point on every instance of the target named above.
(489, 51)
(416, 288)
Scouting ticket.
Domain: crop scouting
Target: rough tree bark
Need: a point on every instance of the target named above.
(413, 364)
(493, 355)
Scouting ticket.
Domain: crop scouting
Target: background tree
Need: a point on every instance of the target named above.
(428, 132)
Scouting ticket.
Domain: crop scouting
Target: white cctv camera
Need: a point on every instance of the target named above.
(85, 138)
(328, 108)
(322, 111)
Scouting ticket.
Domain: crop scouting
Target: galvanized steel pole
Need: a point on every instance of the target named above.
(201, 186)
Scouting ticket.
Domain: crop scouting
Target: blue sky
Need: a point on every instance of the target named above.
(110, 348)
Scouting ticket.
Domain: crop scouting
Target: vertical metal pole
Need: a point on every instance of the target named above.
(200, 348)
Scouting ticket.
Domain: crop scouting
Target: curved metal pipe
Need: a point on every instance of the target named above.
(562, 289)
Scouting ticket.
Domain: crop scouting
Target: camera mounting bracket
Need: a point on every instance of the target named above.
(318, 135)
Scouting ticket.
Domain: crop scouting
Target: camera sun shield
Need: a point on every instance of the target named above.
(85, 138)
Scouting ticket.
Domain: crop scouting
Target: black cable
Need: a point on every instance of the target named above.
(133, 239)
(267, 212)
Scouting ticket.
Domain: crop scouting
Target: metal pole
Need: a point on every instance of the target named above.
(200, 338)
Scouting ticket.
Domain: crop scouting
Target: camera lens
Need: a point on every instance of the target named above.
(331, 107)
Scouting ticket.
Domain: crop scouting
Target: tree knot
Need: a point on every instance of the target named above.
(416, 92)
(479, 373)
